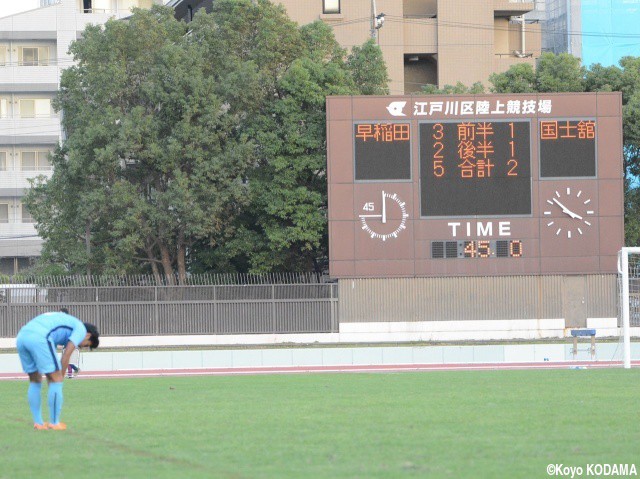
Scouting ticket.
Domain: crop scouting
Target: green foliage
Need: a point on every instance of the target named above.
(559, 73)
(197, 149)
(289, 189)
(457, 89)
(520, 78)
(153, 159)
(368, 69)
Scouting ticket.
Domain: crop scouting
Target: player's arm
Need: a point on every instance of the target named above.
(66, 356)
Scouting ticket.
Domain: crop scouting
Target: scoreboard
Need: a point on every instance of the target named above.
(474, 185)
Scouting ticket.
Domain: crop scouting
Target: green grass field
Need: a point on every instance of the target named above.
(494, 424)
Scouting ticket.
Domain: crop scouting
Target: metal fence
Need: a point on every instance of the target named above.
(165, 310)
(574, 297)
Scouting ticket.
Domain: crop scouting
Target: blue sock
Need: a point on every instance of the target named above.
(55, 402)
(35, 400)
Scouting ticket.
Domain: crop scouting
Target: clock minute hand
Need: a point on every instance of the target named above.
(567, 210)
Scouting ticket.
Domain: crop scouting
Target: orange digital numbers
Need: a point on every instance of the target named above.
(438, 158)
(515, 249)
(438, 168)
(479, 249)
(438, 131)
(484, 249)
(439, 146)
(470, 250)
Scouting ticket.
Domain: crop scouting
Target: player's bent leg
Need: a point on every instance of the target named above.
(55, 399)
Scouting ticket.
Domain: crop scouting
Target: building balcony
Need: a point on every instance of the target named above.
(19, 180)
(30, 131)
(19, 239)
(420, 35)
(21, 78)
(505, 61)
(511, 8)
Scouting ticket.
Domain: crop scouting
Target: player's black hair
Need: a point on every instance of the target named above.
(95, 335)
(64, 310)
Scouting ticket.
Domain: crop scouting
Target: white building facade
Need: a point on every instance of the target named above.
(34, 49)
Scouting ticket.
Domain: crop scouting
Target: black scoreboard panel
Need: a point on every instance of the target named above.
(475, 168)
(382, 151)
(567, 148)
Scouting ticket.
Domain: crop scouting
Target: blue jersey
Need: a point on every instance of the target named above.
(58, 328)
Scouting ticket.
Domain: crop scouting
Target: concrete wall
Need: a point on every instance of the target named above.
(315, 357)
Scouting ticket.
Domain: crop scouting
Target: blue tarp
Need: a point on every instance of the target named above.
(610, 30)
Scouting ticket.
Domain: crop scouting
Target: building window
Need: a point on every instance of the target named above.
(26, 215)
(4, 212)
(33, 56)
(34, 161)
(128, 4)
(4, 108)
(3, 161)
(35, 108)
(330, 6)
(96, 6)
(3, 55)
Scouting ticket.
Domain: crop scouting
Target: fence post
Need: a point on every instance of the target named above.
(216, 329)
(334, 322)
(273, 308)
(155, 310)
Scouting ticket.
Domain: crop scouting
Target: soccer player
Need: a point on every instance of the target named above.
(37, 342)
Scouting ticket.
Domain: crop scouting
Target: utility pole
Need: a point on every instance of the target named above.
(376, 20)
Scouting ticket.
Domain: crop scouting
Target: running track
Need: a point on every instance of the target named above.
(139, 373)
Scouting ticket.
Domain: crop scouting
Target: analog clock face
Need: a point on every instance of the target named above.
(569, 213)
(386, 218)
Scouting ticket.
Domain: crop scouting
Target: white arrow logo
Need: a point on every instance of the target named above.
(395, 108)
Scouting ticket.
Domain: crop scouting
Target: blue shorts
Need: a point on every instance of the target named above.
(37, 354)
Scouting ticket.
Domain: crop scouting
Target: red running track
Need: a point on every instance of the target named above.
(139, 373)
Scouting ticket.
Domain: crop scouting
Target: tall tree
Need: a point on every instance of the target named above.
(154, 158)
(559, 73)
(285, 226)
(199, 149)
(520, 78)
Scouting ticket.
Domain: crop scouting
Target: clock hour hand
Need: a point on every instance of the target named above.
(384, 209)
(567, 210)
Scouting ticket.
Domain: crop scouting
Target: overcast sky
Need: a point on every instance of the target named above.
(9, 7)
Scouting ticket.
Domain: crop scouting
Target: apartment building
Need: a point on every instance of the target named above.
(597, 31)
(34, 49)
(423, 41)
